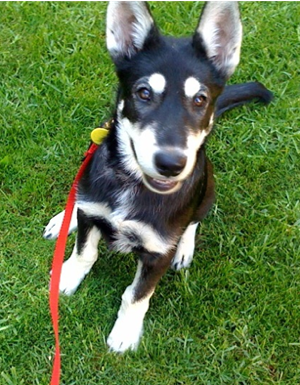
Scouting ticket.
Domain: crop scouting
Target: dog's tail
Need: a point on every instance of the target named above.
(239, 94)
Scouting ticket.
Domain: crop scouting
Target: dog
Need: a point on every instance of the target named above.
(150, 183)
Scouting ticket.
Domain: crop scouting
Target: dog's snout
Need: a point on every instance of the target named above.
(170, 163)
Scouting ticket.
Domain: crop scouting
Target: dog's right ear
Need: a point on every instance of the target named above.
(129, 26)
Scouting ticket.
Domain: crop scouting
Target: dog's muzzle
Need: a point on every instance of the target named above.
(168, 164)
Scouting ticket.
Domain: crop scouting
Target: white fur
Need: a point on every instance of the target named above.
(124, 131)
(149, 237)
(194, 142)
(144, 143)
(157, 83)
(185, 249)
(145, 147)
(128, 327)
(120, 107)
(93, 209)
(78, 266)
(53, 227)
(191, 87)
(211, 122)
(102, 210)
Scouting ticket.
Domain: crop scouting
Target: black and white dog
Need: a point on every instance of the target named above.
(150, 183)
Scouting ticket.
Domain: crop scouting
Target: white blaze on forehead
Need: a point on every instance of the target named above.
(157, 83)
(191, 86)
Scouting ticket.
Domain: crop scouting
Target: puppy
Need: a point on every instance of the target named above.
(150, 183)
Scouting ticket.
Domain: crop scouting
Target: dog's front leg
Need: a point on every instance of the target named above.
(128, 327)
(84, 255)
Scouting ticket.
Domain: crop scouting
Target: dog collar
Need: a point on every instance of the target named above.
(99, 133)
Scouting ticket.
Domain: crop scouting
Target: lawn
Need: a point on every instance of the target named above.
(234, 316)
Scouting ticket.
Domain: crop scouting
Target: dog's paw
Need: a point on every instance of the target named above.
(125, 334)
(184, 254)
(53, 228)
(72, 275)
(182, 259)
(185, 249)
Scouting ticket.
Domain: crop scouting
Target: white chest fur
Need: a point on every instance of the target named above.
(128, 233)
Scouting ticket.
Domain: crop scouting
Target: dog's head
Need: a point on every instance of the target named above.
(168, 87)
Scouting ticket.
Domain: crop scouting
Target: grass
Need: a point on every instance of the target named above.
(233, 318)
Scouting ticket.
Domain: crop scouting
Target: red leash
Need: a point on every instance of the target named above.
(97, 136)
(58, 258)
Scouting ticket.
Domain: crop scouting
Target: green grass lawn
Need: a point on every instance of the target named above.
(234, 317)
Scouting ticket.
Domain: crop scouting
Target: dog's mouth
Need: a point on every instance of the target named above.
(158, 186)
(161, 186)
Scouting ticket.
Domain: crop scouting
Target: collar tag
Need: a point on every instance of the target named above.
(98, 134)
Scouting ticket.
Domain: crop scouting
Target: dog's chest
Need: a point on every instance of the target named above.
(123, 231)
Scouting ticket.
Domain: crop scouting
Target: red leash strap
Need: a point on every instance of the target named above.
(57, 262)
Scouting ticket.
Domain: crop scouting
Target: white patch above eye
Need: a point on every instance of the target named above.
(157, 83)
(191, 87)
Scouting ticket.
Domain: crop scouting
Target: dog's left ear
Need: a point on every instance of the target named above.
(219, 34)
(129, 26)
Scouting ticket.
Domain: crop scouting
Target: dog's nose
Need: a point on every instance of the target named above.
(170, 163)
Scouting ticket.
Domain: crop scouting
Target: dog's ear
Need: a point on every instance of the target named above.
(129, 26)
(219, 34)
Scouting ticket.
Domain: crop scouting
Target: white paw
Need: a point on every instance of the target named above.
(72, 274)
(128, 328)
(125, 334)
(185, 249)
(182, 259)
(53, 228)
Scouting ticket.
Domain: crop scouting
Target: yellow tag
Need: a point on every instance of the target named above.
(98, 134)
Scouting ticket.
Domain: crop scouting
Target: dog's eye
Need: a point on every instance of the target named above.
(144, 94)
(199, 100)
